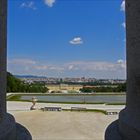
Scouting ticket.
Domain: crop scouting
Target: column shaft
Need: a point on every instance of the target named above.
(128, 125)
(9, 129)
(133, 54)
(3, 45)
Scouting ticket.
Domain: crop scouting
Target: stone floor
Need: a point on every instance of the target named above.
(64, 125)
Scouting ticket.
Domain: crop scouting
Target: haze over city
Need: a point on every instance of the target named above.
(67, 38)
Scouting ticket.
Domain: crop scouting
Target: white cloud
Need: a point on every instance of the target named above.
(43, 67)
(29, 4)
(123, 5)
(70, 67)
(28, 66)
(49, 3)
(98, 69)
(120, 61)
(97, 65)
(76, 41)
(124, 24)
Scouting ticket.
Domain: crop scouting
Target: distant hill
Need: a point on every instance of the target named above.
(28, 76)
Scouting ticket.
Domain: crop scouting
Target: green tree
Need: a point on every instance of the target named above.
(16, 85)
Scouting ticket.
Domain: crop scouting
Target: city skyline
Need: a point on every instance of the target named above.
(67, 38)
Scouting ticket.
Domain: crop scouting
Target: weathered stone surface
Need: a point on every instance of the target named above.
(133, 54)
(3, 44)
(9, 130)
(129, 125)
(112, 132)
(22, 133)
(129, 119)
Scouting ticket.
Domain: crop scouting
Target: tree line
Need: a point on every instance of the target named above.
(16, 85)
(118, 88)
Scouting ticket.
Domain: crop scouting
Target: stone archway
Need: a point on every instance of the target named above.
(127, 127)
(9, 129)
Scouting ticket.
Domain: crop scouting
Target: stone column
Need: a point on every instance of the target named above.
(3, 19)
(9, 129)
(128, 125)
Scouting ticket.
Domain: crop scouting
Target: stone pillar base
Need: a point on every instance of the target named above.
(112, 132)
(129, 124)
(22, 133)
(126, 128)
(10, 130)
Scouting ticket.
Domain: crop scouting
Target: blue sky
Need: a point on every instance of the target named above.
(67, 38)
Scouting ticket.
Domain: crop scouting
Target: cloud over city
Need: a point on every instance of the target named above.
(49, 3)
(97, 65)
(76, 41)
(75, 68)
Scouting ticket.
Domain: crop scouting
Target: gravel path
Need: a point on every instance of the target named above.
(64, 125)
(25, 106)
